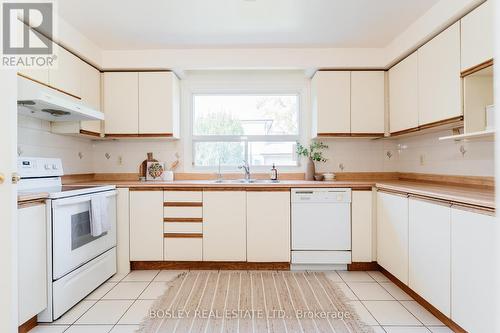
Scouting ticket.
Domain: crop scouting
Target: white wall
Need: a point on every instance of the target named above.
(35, 139)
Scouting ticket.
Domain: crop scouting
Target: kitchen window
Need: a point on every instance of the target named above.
(260, 128)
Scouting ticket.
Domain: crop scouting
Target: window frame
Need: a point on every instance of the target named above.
(246, 139)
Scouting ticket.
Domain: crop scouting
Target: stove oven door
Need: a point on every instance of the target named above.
(72, 242)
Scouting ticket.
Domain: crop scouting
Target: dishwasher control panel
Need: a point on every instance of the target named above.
(339, 195)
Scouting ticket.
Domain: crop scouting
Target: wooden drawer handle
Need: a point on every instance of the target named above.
(183, 219)
(183, 204)
(184, 235)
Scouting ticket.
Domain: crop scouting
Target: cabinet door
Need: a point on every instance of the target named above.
(32, 262)
(121, 103)
(158, 103)
(392, 234)
(268, 226)
(91, 94)
(403, 95)
(146, 225)
(362, 226)
(224, 226)
(367, 102)
(473, 270)
(477, 36)
(331, 102)
(439, 91)
(429, 256)
(66, 75)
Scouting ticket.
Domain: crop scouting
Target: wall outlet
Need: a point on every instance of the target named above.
(422, 159)
(120, 160)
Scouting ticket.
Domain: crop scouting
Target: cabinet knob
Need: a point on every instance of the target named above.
(15, 178)
(2, 178)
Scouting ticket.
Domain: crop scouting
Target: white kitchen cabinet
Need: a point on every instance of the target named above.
(183, 249)
(331, 102)
(90, 82)
(392, 234)
(122, 230)
(430, 251)
(91, 94)
(65, 76)
(477, 38)
(403, 94)
(159, 103)
(362, 226)
(473, 269)
(439, 83)
(368, 102)
(32, 261)
(121, 102)
(146, 225)
(224, 226)
(268, 226)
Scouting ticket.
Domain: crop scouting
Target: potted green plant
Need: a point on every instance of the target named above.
(314, 154)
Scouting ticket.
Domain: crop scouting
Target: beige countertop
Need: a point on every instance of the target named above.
(30, 196)
(476, 196)
(468, 195)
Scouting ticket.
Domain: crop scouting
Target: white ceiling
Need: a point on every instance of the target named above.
(147, 24)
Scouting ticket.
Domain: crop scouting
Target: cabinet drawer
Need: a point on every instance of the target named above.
(183, 196)
(182, 227)
(183, 212)
(183, 249)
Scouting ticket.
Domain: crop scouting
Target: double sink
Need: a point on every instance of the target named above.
(246, 181)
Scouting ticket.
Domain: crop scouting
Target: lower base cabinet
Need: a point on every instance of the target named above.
(183, 249)
(146, 225)
(473, 270)
(362, 226)
(430, 251)
(392, 234)
(224, 226)
(268, 226)
(32, 262)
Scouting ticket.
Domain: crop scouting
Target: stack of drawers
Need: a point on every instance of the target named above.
(183, 227)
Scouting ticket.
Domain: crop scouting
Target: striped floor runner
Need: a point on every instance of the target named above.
(252, 301)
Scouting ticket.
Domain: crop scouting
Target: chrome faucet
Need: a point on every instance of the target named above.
(245, 166)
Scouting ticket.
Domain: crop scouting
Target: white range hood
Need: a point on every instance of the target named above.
(39, 101)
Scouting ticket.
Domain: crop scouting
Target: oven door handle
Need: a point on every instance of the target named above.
(80, 199)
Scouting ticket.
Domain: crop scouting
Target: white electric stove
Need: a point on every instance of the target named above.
(77, 261)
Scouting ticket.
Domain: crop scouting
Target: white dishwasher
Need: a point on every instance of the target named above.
(321, 228)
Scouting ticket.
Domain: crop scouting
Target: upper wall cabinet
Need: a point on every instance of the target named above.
(66, 75)
(347, 103)
(403, 95)
(121, 103)
(158, 103)
(367, 102)
(141, 104)
(331, 103)
(477, 36)
(439, 92)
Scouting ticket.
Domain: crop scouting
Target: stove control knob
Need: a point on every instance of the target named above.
(54, 167)
(47, 166)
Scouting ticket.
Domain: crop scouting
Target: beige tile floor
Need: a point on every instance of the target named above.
(119, 305)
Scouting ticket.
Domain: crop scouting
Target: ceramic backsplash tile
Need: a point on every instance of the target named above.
(426, 154)
(35, 139)
(126, 155)
(421, 153)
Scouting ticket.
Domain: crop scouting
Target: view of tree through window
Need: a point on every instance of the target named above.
(261, 129)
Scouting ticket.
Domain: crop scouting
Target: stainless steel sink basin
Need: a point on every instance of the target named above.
(246, 181)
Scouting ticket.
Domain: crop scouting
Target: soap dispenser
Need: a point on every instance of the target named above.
(274, 173)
